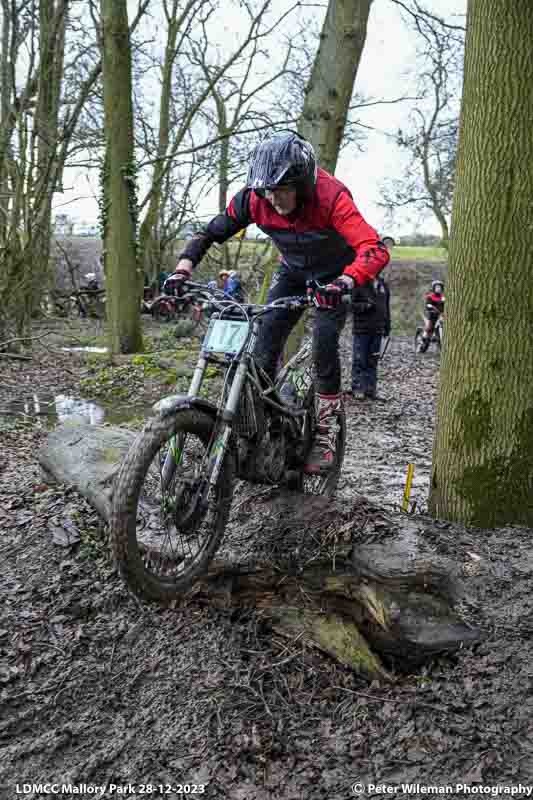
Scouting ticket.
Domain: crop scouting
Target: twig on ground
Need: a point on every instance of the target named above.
(15, 357)
(25, 339)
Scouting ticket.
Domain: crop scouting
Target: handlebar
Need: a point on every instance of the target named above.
(222, 300)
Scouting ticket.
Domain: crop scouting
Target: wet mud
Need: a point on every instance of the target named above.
(98, 689)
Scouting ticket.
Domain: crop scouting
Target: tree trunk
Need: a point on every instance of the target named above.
(223, 167)
(330, 88)
(443, 222)
(52, 24)
(271, 265)
(123, 278)
(5, 125)
(483, 455)
(149, 246)
(329, 92)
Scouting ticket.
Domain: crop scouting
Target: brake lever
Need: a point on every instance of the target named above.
(290, 303)
(294, 305)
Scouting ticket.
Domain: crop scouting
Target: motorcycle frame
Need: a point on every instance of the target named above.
(246, 369)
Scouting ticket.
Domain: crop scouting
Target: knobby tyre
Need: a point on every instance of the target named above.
(440, 336)
(418, 339)
(195, 315)
(202, 323)
(161, 541)
(161, 312)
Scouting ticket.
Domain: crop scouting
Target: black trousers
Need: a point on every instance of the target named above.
(365, 355)
(277, 325)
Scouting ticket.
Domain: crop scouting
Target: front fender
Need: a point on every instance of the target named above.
(176, 402)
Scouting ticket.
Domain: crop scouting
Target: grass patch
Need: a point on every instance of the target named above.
(110, 382)
(419, 253)
(86, 340)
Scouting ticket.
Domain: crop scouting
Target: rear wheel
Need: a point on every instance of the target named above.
(439, 335)
(194, 313)
(163, 537)
(163, 311)
(418, 339)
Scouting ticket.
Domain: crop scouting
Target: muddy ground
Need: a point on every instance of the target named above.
(98, 689)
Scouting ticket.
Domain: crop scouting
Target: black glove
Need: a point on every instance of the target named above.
(330, 296)
(175, 282)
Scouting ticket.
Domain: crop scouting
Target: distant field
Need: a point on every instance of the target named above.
(251, 246)
(420, 253)
(409, 277)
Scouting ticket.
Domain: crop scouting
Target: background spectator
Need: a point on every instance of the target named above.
(234, 287)
(371, 321)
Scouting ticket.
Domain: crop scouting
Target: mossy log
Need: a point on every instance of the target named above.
(315, 570)
(86, 457)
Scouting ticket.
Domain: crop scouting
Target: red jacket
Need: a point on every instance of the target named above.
(323, 238)
(436, 300)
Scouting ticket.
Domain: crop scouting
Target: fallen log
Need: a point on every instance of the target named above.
(86, 457)
(312, 567)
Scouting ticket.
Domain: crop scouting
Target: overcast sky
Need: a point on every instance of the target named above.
(386, 72)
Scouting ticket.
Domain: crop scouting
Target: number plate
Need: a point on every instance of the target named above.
(225, 336)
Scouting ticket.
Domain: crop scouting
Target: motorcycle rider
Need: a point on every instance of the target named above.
(321, 235)
(434, 301)
(91, 282)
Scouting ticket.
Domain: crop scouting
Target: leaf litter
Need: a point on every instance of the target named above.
(97, 687)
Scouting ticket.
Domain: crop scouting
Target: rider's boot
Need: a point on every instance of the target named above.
(424, 344)
(322, 455)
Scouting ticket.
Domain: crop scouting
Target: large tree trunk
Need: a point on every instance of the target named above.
(52, 24)
(271, 265)
(223, 166)
(483, 456)
(5, 126)
(123, 278)
(330, 88)
(305, 565)
(329, 92)
(149, 245)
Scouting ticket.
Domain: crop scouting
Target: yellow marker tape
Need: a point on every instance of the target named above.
(240, 234)
(407, 490)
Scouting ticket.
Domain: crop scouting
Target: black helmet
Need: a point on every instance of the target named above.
(284, 159)
(435, 284)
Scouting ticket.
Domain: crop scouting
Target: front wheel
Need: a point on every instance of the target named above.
(164, 536)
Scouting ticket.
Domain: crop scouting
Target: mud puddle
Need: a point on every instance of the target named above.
(51, 410)
(85, 349)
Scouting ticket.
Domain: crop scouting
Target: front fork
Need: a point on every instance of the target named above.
(221, 442)
(175, 450)
(222, 435)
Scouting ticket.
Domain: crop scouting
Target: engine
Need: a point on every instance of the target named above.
(267, 460)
